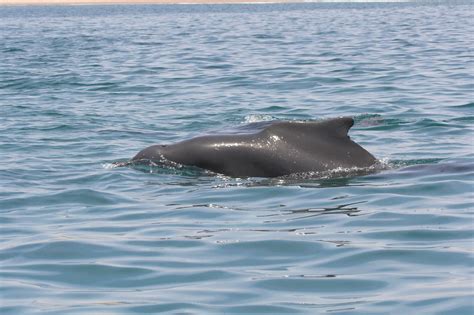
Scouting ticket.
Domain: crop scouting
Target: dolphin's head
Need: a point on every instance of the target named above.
(152, 153)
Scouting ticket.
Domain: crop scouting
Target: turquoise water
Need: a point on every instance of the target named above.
(82, 87)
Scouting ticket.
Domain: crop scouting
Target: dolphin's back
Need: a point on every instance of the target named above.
(281, 148)
(334, 128)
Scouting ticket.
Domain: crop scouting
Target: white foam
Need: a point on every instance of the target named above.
(109, 166)
(254, 118)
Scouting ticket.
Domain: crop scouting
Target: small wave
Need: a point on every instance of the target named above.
(369, 120)
(13, 50)
(394, 164)
(253, 118)
(339, 172)
(115, 164)
(109, 166)
(464, 106)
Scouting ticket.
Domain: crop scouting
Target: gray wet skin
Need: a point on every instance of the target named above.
(281, 148)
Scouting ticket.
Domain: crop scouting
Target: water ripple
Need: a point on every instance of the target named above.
(82, 87)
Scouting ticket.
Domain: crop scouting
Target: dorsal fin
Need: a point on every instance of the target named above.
(339, 126)
(336, 127)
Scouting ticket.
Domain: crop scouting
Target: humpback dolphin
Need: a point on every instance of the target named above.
(280, 148)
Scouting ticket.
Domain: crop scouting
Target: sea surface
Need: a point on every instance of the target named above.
(84, 87)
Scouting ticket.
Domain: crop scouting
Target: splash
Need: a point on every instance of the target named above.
(109, 166)
(369, 120)
(339, 172)
(254, 118)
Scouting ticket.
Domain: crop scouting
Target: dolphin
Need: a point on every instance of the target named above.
(280, 148)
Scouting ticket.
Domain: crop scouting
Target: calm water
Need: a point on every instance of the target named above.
(82, 87)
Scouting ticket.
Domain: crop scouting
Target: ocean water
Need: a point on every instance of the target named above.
(82, 87)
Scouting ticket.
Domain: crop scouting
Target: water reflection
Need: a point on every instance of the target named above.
(297, 214)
